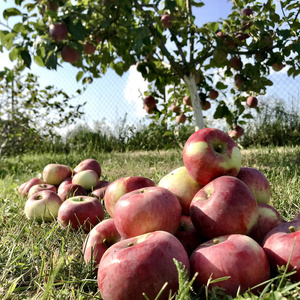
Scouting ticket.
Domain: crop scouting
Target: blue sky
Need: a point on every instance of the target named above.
(112, 96)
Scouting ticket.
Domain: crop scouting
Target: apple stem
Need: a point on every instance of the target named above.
(292, 229)
(215, 241)
(130, 244)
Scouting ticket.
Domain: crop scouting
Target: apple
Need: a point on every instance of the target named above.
(141, 265)
(99, 239)
(150, 102)
(220, 55)
(69, 54)
(58, 32)
(121, 186)
(88, 164)
(188, 235)
(56, 173)
(237, 256)
(149, 110)
(43, 206)
(65, 182)
(236, 133)
(235, 63)
(277, 66)
(213, 94)
(257, 182)
(205, 105)
(187, 100)
(238, 81)
(247, 11)
(26, 186)
(209, 153)
(182, 185)
(101, 184)
(71, 190)
(88, 179)
(282, 245)
(21, 187)
(252, 101)
(145, 210)
(268, 218)
(224, 206)
(174, 108)
(89, 48)
(99, 193)
(166, 21)
(80, 212)
(181, 119)
(41, 187)
(242, 36)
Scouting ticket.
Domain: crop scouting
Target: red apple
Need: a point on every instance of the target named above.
(236, 133)
(71, 190)
(56, 173)
(224, 206)
(27, 185)
(188, 235)
(80, 212)
(213, 94)
(247, 11)
(102, 184)
(180, 119)
(205, 105)
(149, 110)
(182, 185)
(69, 54)
(150, 102)
(141, 265)
(166, 20)
(99, 193)
(235, 63)
(282, 244)
(252, 101)
(43, 206)
(257, 182)
(174, 108)
(187, 100)
(145, 210)
(65, 182)
(88, 179)
(237, 256)
(41, 187)
(88, 164)
(209, 153)
(21, 187)
(277, 66)
(58, 32)
(99, 239)
(238, 81)
(121, 186)
(89, 48)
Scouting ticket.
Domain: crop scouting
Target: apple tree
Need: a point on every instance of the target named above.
(190, 68)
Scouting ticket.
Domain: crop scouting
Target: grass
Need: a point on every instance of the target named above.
(43, 261)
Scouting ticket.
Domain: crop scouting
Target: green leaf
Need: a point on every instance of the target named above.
(13, 54)
(10, 12)
(26, 57)
(79, 75)
(221, 86)
(39, 61)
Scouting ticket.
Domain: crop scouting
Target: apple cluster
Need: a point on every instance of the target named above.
(211, 214)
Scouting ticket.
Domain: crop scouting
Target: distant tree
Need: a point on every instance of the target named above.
(169, 50)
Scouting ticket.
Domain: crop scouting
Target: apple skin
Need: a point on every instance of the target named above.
(58, 32)
(268, 218)
(257, 182)
(99, 193)
(65, 182)
(236, 133)
(80, 212)
(89, 48)
(69, 54)
(88, 164)
(182, 185)
(88, 179)
(252, 101)
(174, 108)
(188, 235)
(43, 205)
(187, 100)
(150, 102)
(209, 153)
(121, 186)
(235, 63)
(99, 239)
(71, 190)
(56, 173)
(247, 265)
(224, 206)
(166, 21)
(213, 94)
(145, 210)
(41, 187)
(181, 119)
(30, 183)
(101, 184)
(277, 66)
(141, 264)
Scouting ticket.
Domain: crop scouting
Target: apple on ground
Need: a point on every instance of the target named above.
(209, 153)
(188, 235)
(25, 187)
(257, 182)
(21, 187)
(224, 206)
(99, 239)
(166, 20)
(88, 164)
(180, 119)
(182, 185)
(41, 187)
(268, 218)
(252, 101)
(56, 173)
(43, 206)
(145, 210)
(69, 54)
(282, 245)
(99, 193)
(101, 184)
(235, 256)
(88, 179)
(58, 32)
(121, 186)
(236, 132)
(65, 182)
(71, 190)
(141, 265)
(80, 212)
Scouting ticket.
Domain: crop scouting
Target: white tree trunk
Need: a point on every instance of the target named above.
(196, 102)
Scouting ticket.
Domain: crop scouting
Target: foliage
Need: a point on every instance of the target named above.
(29, 114)
(180, 57)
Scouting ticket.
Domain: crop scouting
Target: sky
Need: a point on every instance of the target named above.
(112, 96)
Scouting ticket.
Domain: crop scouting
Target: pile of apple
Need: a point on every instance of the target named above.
(212, 215)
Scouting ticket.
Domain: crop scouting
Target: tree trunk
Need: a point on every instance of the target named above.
(196, 102)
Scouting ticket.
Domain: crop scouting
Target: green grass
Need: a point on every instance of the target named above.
(43, 261)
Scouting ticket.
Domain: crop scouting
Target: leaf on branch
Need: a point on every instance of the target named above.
(10, 12)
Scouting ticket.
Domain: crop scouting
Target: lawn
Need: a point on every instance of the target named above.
(43, 261)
